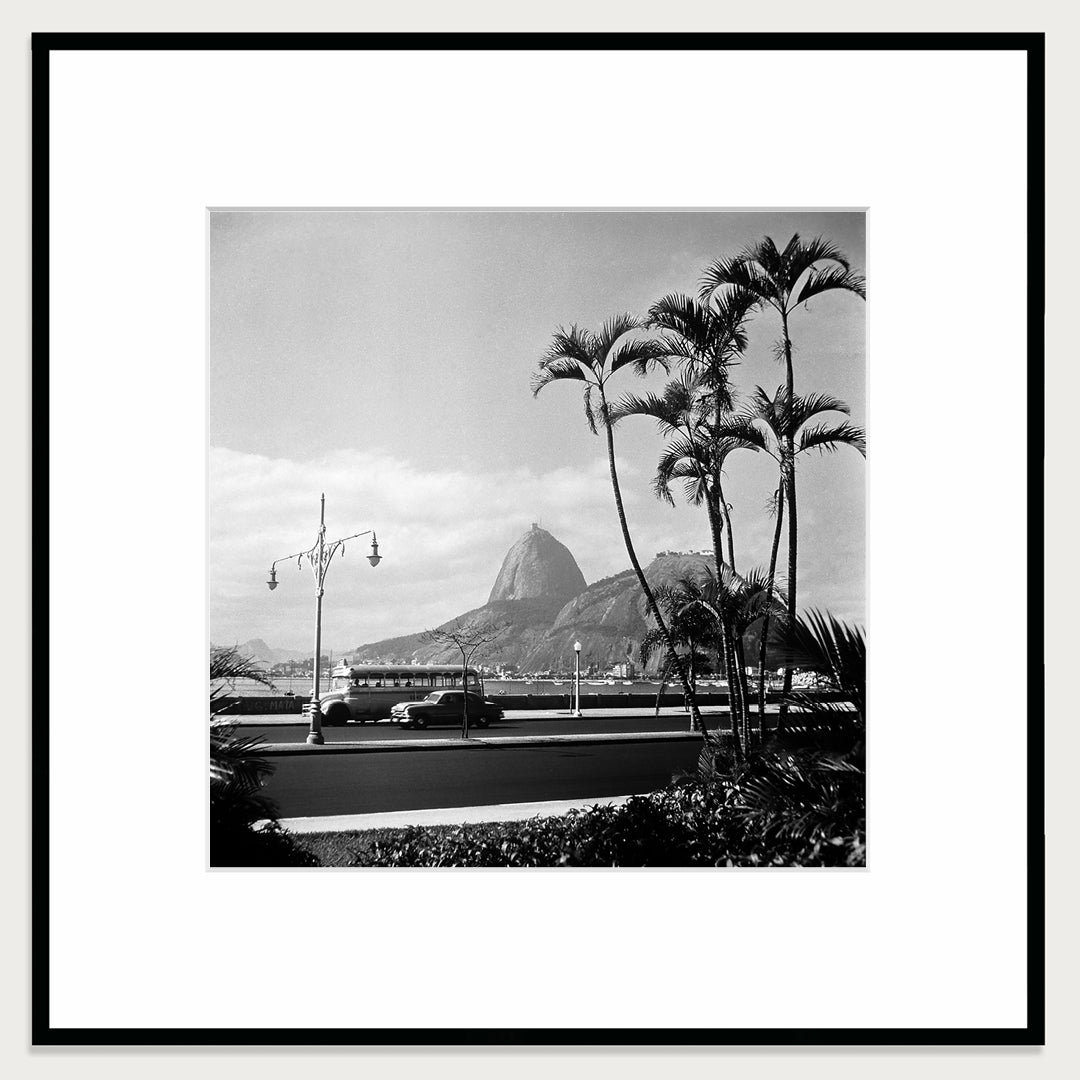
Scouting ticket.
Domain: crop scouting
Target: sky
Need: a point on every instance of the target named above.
(385, 358)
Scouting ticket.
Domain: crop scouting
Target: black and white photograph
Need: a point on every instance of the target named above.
(537, 538)
(568, 498)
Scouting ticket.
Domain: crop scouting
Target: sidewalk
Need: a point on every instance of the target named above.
(453, 815)
(286, 719)
(473, 742)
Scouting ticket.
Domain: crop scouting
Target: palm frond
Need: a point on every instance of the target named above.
(736, 428)
(740, 272)
(688, 451)
(661, 486)
(818, 641)
(674, 466)
(649, 404)
(828, 279)
(765, 253)
(685, 317)
(678, 348)
(763, 409)
(682, 394)
(801, 256)
(643, 353)
(573, 344)
(828, 438)
(590, 416)
(612, 330)
(227, 664)
(807, 406)
(557, 370)
(732, 308)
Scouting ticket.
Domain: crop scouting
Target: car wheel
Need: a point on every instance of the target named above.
(338, 715)
(419, 721)
(481, 721)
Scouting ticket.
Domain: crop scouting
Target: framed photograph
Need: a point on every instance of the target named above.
(572, 464)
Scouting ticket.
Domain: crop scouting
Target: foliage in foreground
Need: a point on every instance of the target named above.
(783, 808)
(243, 821)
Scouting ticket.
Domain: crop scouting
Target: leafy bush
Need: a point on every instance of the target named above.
(243, 821)
(783, 809)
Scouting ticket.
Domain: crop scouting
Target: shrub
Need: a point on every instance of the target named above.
(783, 809)
(243, 821)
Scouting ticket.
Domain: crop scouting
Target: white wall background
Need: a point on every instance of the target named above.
(844, 15)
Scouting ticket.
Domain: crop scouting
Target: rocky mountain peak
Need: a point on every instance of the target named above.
(537, 566)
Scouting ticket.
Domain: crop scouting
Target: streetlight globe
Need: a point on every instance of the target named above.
(374, 558)
(272, 583)
(577, 646)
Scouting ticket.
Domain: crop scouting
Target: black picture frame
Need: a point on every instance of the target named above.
(1033, 1033)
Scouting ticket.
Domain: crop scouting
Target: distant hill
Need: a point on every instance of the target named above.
(610, 617)
(540, 593)
(527, 622)
(257, 649)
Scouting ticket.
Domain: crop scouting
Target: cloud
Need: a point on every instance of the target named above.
(443, 535)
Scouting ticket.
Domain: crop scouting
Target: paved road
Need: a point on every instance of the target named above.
(515, 724)
(315, 784)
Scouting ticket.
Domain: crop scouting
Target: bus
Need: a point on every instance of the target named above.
(368, 691)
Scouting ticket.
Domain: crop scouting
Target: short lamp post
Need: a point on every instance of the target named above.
(577, 678)
(319, 557)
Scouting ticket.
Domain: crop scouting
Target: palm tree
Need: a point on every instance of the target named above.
(820, 642)
(785, 280)
(697, 452)
(706, 339)
(737, 601)
(578, 355)
(779, 430)
(691, 627)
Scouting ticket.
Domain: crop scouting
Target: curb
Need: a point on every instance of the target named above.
(613, 715)
(473, 743)
(452, 815)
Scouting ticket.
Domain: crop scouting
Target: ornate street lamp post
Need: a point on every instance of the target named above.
(319, 557)
(577, 678)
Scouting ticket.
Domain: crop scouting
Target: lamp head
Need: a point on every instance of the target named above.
(577, 646)
(374, 558)
(272, 583)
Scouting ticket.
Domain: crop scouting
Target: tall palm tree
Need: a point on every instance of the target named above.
(781, 427)
(697, 452)
(579, 355)
(706, 339)
(785, 280)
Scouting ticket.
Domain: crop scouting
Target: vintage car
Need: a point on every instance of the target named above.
(445, 707)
